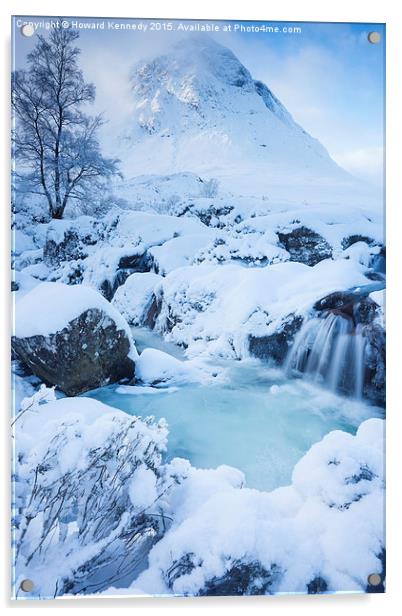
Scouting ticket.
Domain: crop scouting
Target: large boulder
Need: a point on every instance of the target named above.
(70, 336)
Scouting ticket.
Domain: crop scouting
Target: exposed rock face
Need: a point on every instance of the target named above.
(317, 586)
(276, 346)
(213, 216)
(91, 351)
(108, 287)
(305, 245)
(68, 242)
(350, 305)
(375, 357)
(129, 264)
(242, 579)
(353, 239)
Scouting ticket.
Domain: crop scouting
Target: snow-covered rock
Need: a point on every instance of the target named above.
(179, 251)
(72, 337)
(228, 540)
(69, 239)
(156, 367)
(135, 299)
(305, 246)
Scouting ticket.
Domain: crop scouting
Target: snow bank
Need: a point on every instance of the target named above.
(179, 251)
(21, 242)
(154, 367)
(22, 283)
(325, 531)
(161, 193)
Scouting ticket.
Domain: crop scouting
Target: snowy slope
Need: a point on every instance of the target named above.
(198, 109)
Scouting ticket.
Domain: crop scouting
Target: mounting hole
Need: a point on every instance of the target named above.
(374, 579)
(374, 37)
(27, 30)
(27, 585)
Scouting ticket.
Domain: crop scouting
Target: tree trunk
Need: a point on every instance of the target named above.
(57, 212)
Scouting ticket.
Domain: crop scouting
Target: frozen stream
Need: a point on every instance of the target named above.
(256, 420)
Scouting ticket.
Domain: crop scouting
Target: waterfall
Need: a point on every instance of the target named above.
(330, 351)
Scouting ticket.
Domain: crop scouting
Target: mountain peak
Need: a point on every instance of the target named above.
(197, 108)
(194, 70)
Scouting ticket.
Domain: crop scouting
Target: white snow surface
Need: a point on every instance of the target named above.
(51, 306)
(179, 251)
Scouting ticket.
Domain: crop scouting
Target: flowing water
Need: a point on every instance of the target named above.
(255, 418)
(330, 351)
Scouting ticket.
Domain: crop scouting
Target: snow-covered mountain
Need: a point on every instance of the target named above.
(197, 109)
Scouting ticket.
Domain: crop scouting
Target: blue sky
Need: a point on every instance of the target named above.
(328, 76)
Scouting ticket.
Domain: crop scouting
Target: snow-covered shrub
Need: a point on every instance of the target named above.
(87, 504)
